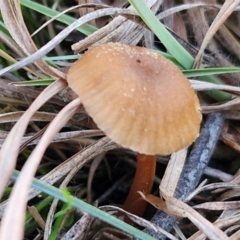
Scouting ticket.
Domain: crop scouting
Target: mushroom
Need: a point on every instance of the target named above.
(142, 101)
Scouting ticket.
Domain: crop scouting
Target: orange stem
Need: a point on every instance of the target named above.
(143, 181)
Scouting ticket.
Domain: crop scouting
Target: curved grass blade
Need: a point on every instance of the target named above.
(85, 29)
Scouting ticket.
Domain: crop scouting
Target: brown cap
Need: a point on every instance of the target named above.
(138, 98)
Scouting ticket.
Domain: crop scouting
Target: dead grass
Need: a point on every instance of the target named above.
(91, 166)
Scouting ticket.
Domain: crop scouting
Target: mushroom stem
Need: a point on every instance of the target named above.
(143, 181)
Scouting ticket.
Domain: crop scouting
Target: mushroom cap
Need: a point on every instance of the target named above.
(138, 98)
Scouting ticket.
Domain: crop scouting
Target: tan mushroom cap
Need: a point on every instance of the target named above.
(138, 98)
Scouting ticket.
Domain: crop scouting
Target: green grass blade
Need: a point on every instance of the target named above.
(171, 44)
(182, 56)
(62, 58)
(31, 83)
(85, 207)
(59, 217)
(209, 71)
(217, 95)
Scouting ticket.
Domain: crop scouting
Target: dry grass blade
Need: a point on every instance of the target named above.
(4, 38)
(204, 86)
(161, 205)
(198, 21)
(78, 230)
(221, 175)
(13, 60)
(95, 163)
(112, 32)
(230, 105)
(76, 161)
(229, 41)
(219, 205)
(236, 178)
(61, 137)
(177, 208)
(26, 93)
(63, 34)
(88, 5)
(187, 6)
(226, 185)
(211, 231)
(234, 193)
(38, 116)
(138, 220)
(14, 216)
(220, 223)
(84, 11)
(232, 140)
(37, 217)
(8, 158)
(235, 236)
(50, 217)
(11, 13)
(227, 8)
(172, 173)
